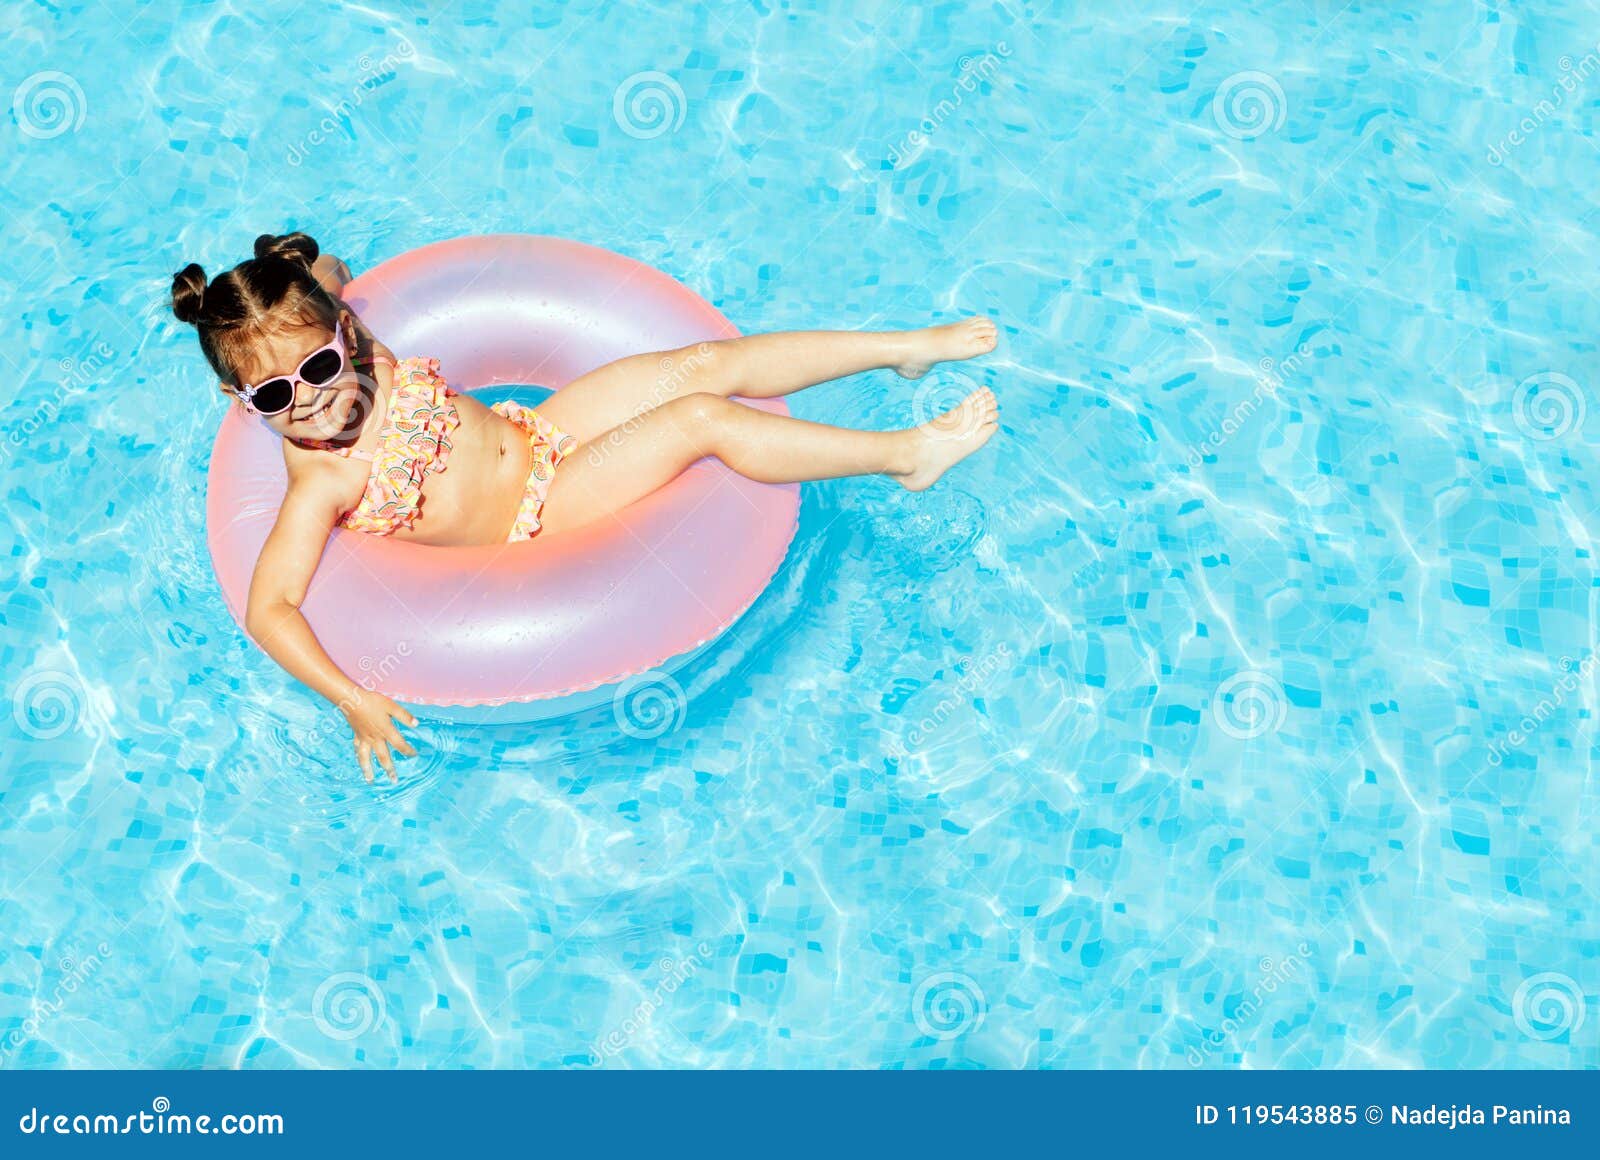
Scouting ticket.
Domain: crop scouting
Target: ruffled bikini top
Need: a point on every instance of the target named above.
(413, 443)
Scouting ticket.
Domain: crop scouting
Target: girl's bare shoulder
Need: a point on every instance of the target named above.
(323, 477)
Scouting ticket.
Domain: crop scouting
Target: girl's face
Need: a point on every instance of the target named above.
(336, 409)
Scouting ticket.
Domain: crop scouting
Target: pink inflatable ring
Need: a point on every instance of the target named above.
(550, 625)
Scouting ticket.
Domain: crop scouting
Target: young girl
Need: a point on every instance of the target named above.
(368, 439)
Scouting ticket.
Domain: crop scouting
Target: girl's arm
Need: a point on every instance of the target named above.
(272, 616)
(331, 273)
(333, 276)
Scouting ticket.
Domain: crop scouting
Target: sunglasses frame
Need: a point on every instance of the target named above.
(248, 393)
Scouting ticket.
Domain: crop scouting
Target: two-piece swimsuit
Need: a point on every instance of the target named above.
(414, 443)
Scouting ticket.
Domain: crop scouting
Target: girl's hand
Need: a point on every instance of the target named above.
(372, 717)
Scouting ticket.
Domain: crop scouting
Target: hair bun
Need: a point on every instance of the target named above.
(295, 247)
(189, 293)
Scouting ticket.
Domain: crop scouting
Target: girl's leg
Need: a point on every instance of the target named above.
(757, 366)
(631, 462)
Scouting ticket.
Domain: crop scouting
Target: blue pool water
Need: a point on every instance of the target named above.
(1236, 708)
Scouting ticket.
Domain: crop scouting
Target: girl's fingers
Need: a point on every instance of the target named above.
(386, 741)
(386, 759)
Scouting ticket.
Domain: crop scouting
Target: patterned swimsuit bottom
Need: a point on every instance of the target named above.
(548, 445)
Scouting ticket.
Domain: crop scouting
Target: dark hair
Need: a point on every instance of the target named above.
(264, 295)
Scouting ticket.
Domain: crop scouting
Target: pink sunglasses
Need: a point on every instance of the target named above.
(318, 369)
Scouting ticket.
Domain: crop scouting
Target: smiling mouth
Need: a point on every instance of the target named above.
(308, 416)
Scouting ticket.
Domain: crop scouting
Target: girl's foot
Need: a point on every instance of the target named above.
(951, 342)
(942, 442)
